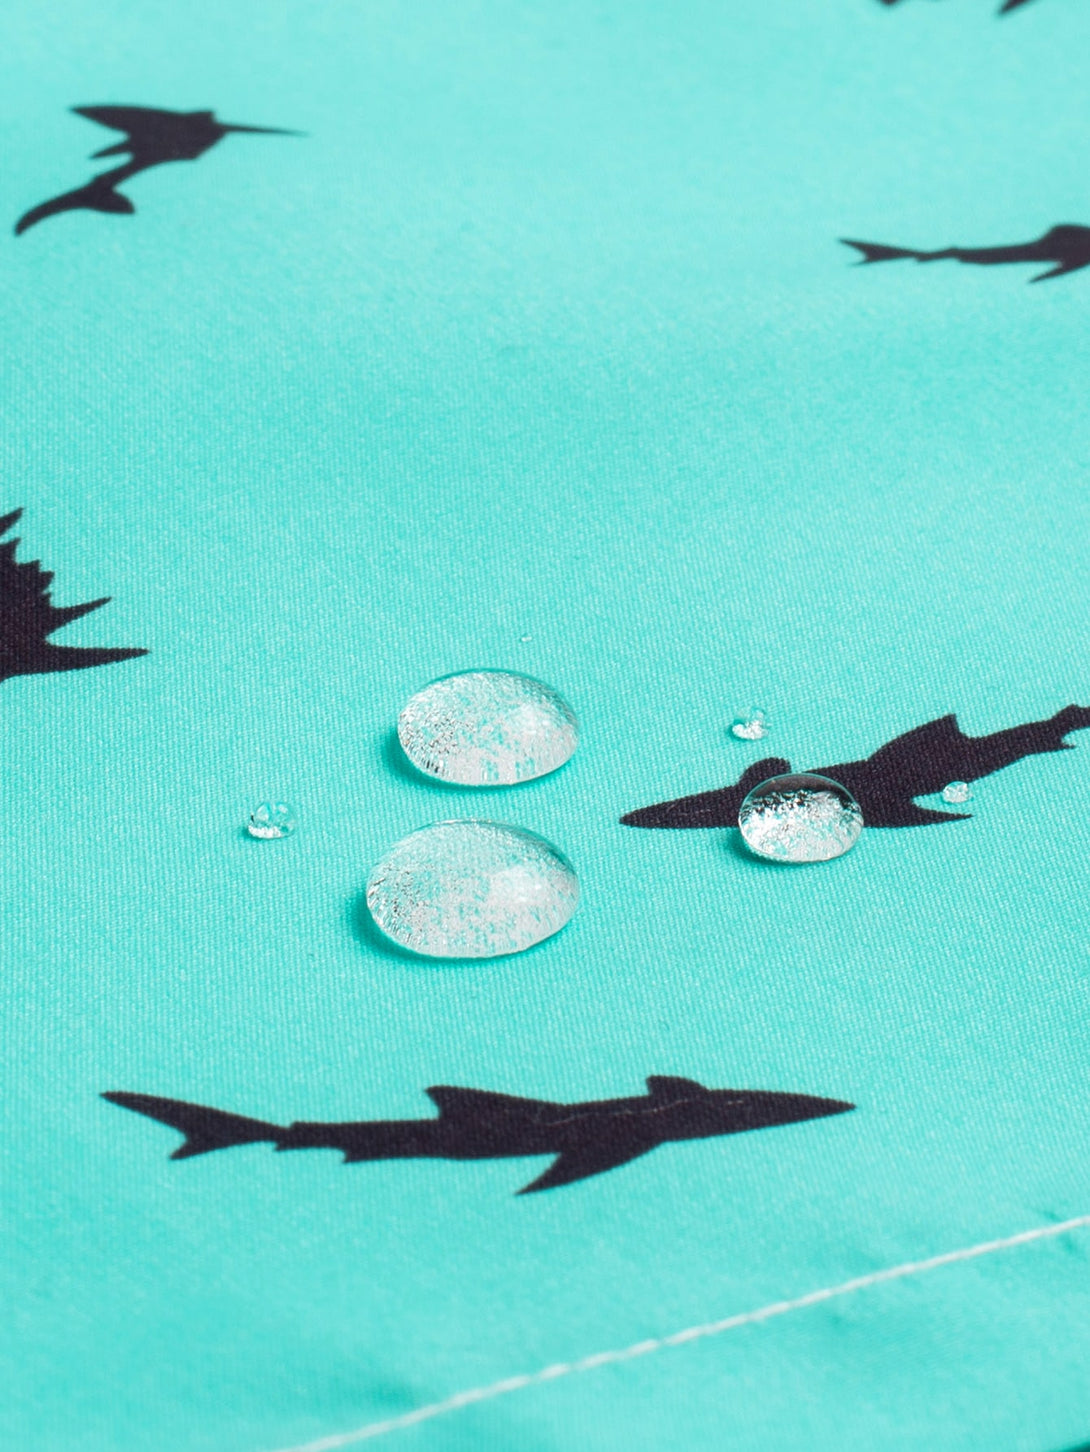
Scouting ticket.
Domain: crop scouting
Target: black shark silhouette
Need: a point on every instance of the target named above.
(917, 764)
(27, 618)
(1068, 246)
(475, 1124)
(152, 137)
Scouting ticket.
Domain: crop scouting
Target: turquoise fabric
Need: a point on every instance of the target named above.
(543, 330)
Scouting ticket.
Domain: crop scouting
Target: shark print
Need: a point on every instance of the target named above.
(918, 764)
(477, 1124)
(1066, 246)
(28, 618)
(152, 137)
(1004, 9)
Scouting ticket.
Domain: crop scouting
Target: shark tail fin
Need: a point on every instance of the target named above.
(717, 808)
(81, 657)
(96, 196)
(878, 251)
(204, 1129)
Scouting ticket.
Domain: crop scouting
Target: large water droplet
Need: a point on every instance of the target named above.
(487, 728)
(800, 818)
(471, 890)
(957, 792)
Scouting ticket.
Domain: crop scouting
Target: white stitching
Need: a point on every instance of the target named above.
(679, 1338)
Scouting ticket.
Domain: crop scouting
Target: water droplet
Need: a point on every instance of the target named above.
(487, 728)
(752, 726)
(271, 819)
(525, 639)
(471, 890)
(800, 818)
(956, 793)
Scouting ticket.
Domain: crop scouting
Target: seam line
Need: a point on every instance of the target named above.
(473, 1395)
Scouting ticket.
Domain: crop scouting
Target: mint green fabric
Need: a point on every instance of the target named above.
(543, 330)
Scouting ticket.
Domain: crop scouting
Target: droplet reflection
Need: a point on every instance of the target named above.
(471, 889)
(800, 818)
(487, 728)
(752, 726)
(956, 793)
(271, 820)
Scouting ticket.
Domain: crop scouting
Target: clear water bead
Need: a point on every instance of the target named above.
(271, 819)
(956, 793)
(800, 818)
(753, 726)
(487, 728)
(471, 890)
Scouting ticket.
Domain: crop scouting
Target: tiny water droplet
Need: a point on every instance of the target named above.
(800, 818)
(956, 793)
(487, 728)
(752, 726)
(525, 639)
(471, 889)
(270, 820)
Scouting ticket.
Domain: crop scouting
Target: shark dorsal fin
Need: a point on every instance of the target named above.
(456, 1103)
(669, 1086)
(930, 737)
